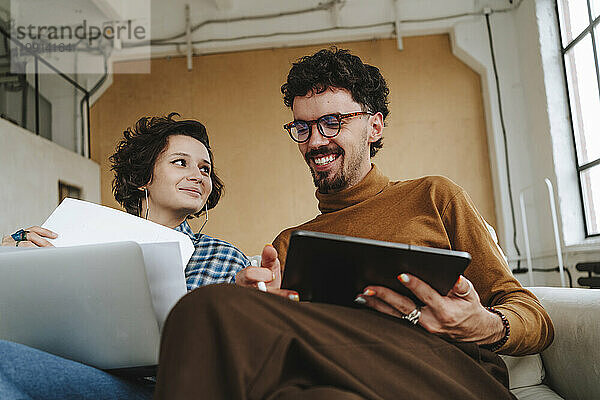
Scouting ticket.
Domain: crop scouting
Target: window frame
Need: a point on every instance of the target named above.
(589, 29)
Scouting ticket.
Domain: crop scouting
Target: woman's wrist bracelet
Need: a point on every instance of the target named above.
(497, 345)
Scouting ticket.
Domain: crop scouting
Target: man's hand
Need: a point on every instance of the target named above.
(458, 316)
(35, 238)
(268, 272)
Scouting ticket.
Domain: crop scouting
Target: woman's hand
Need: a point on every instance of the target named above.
(35, 238)
(269, 272)
(458, 316)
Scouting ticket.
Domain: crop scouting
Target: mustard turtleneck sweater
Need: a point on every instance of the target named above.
(433, 211)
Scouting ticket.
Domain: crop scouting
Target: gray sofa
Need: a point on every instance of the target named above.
(570, 368)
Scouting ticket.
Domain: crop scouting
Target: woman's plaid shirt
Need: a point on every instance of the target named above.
(213, 261)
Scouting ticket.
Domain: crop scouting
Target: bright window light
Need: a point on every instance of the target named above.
(580, 33)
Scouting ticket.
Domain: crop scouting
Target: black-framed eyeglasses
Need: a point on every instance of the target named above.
(328, 125)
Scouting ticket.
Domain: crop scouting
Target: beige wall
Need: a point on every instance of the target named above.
(30, 169)
(436, 126)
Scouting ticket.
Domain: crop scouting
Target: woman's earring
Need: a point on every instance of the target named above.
(206, 214)
(147, 204)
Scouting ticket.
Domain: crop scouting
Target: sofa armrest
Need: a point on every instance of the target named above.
(572, 362)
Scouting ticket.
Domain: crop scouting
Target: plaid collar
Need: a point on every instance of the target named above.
(185, 228)
(213, 261)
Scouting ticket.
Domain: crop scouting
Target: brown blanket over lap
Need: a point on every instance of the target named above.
(227, 342)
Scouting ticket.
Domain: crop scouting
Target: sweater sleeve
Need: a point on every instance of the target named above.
(531, 329)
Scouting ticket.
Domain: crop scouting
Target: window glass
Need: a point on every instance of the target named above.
(595, 5)
(580, 61)
(590, 185)
(585, 99)
(574, 18)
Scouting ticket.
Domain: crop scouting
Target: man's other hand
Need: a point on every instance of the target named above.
(458, 316)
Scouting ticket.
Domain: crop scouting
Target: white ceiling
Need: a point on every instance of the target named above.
(235, 25)
(231, 25)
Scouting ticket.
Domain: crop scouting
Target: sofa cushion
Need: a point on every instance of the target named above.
(524, 371)
(572, 362)
(537, 392)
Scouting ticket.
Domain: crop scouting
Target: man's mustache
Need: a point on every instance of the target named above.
(323, 151)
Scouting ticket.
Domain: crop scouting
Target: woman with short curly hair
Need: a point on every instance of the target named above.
(164, 172)
(136, 154)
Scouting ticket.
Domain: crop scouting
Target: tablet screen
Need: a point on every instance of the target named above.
(328, 268)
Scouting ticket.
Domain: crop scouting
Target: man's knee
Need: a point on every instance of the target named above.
(210, 299)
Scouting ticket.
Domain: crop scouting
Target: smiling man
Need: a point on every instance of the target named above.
(250, 344)
(334, 163)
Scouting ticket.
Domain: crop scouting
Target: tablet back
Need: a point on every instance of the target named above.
(334, 269)
(86, 303)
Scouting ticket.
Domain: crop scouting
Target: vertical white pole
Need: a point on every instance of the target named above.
(188, 36)
(398, 27)
(526, 236)
(561, 266)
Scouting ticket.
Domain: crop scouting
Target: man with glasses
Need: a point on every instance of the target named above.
(232, 342)
(321, 160)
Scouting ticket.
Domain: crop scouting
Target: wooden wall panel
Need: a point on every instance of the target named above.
(436, 126)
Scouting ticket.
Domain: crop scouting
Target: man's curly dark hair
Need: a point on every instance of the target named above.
(338, 68)
(136, 154)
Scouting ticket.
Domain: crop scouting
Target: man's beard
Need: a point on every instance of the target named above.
(344, 177)
(326, 184)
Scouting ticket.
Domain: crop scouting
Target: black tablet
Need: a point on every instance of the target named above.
(327, 268)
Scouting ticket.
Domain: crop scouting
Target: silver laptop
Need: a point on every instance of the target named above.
(89, 304)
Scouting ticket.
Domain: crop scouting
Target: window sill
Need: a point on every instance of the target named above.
(589, 245)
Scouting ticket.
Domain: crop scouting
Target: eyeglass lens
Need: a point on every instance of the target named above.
(328, 125)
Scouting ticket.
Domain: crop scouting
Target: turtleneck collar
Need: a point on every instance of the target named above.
(372, 184)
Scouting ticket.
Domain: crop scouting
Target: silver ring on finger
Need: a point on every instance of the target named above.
(413, 316)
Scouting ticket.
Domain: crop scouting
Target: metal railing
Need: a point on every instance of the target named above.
(18, 81)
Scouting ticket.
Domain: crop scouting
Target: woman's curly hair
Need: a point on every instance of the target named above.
(136, 154)
(339, 69)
